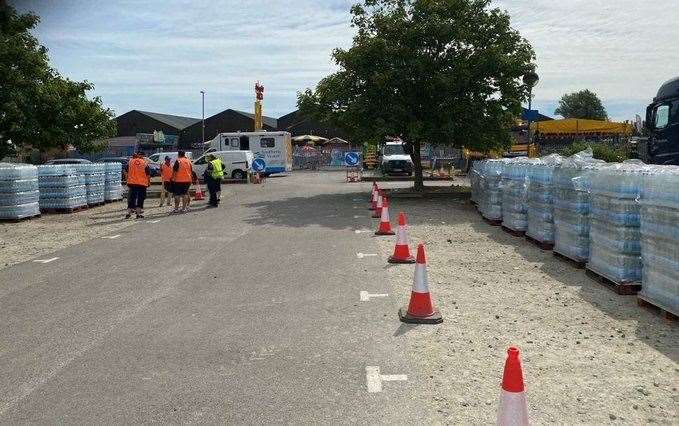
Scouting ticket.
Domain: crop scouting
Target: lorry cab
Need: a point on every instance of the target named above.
(662, 121)
(275, 148)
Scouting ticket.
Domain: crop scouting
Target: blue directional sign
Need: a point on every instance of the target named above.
(351, 159)
(259, 165)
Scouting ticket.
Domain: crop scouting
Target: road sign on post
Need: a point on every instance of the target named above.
(258, 166)
(352, 161)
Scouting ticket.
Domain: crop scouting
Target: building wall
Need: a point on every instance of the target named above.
(225, 121)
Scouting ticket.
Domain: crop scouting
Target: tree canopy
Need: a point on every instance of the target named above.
(584, 104)
(441, 71)
(39, 107)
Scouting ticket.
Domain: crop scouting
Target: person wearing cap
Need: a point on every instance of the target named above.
(182, 177)
(166, 175)
(213, 178)
(138, 179)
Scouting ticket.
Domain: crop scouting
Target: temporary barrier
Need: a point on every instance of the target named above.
(420, 309)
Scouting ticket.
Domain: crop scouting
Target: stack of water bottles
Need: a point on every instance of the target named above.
(61, 187)
(660, 237)
(95, 176)
(491, 189)
(540, 176)
(18, 191)
(572, 181)
(514, 192)
(113, 189)
(615, 238)
(475, 179)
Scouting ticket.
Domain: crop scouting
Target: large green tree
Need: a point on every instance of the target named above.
(582, 104)
(38, 107)
(440, 71)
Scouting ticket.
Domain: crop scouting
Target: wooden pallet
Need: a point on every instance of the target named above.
(101, 203)
(541, 244)
(577, 263)
(623, 288)
(492, 222)
(112, 201)
(20, 219)
(65, 210)
(514, 233)
(653, 305)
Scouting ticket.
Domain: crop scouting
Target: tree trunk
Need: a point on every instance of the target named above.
(417, 167)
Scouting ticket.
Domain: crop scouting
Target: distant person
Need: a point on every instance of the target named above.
(166, 174)
(182, 177)
(138, 179)
(213, 178)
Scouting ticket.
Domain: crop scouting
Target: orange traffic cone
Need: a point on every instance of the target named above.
(372, 191)
(402, 250)
(384, 227)
(377, 211)
(373, 201)
(420, 309)
(199, 193)
(513, 407)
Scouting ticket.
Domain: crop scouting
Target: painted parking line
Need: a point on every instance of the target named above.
(154, 221)
(356, 216)
(365, 296)
(111, 237)
(361, 231)
(45, 260)
(374, 379)
(362, 255)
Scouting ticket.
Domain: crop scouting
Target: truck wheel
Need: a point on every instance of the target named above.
(238, 174)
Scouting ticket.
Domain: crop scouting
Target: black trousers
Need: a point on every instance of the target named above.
(213, 187)
(136, 196)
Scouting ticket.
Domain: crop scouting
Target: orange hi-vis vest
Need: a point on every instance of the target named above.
(136, 172)
(184, 174)
(166, 172)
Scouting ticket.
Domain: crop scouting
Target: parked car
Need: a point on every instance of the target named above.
(236, 163)
(159, 157)
(69, 161)
(124, 161)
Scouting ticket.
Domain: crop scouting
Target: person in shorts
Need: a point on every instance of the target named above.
(182, 177)
(166, 174)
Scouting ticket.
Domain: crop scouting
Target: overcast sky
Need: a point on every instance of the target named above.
(157, 55)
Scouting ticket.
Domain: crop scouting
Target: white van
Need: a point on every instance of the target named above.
(274, 147)
(236, 163)
(159, 157)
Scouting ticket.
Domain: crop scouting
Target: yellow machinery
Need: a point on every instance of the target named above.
(259, 97)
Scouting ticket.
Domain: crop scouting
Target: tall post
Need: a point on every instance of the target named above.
(259, 115)
(202, 92)
(530, 79)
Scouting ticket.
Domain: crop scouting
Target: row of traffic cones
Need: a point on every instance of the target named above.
(513, 409)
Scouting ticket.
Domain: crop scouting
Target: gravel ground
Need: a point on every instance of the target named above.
(590, 356)
(33, 238)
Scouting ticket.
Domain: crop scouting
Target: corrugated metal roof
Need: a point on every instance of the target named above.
(175, 121)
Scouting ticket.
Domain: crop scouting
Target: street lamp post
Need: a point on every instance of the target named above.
(530, 79)
(202, 92)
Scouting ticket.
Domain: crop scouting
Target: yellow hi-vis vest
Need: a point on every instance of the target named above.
(217, 169)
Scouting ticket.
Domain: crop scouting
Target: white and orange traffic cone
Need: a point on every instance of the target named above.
(420, 309)
(373, 190)
(373, 201)
(377, 211)
(384, 228)
(199, 193)
(513, 406)
(402, 250)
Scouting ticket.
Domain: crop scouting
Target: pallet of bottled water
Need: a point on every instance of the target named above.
(18, 191)
(615, 237)
(62, 186)
(475, 179)
(540, 198)
(490, 200)
(660, 237)
(95, 178)
(514, 194)
(572, 180)
(113, 187)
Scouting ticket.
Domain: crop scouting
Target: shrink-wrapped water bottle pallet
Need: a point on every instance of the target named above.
(623, 288)
(19, 219)
(580, 264)
(513, 232)
(64, 210)
(649, 303)
(100, 203)
(540, 244)
(492, 222)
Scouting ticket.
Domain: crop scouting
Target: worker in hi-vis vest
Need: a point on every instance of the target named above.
(138, 179)
(182, 177)
(166, 175)
(213, 178)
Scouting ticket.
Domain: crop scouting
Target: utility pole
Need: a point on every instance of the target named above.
(202, 92)
(530, 79)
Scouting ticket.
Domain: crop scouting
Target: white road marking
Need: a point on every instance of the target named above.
(45, 260)
(357, 199)
(374, 379)
(361, 231)
(357, 216)
(154, 221)
(365, 296)
(111, 237)
(362, 255)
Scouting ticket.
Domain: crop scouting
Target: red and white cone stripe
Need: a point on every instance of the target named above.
(384, 227)
(513, 409)
(402, 248)
(420, 299)
(378, 207)
(373, 201)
